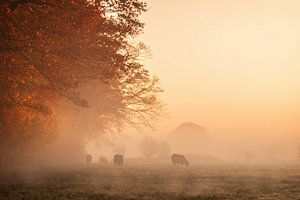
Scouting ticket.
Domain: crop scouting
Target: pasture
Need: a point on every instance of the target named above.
(149, 182)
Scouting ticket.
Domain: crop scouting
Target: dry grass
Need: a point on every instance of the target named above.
(153, 182)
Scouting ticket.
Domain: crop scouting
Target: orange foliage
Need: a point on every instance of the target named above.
(50, 50)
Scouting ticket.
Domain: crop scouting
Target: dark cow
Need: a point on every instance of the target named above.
(88, 159)
(102, 160)
(118, 160)
(179, 160)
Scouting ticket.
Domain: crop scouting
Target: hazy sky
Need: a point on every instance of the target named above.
(229, 65)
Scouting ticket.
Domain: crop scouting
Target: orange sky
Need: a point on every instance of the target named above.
(232, 66)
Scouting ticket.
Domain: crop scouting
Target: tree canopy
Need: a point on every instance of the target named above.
(54, 50)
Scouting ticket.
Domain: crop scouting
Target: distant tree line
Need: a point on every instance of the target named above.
(151, 148)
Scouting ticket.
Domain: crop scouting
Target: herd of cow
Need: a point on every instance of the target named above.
(177, 160)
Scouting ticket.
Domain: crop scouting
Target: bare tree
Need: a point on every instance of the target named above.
(149, 147)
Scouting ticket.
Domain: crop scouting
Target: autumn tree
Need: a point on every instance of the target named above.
(53, 50)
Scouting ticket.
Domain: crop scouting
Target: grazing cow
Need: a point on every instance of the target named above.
(118, 160)
(102, 160)
(88, 159)
(179, 160)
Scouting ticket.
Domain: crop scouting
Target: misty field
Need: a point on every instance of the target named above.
(153, 182)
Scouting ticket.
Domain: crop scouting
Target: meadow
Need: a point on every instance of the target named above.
(147, 182)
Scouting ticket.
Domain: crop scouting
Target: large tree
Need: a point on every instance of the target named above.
(54, 50)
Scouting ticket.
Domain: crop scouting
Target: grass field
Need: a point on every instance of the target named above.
(153, 182)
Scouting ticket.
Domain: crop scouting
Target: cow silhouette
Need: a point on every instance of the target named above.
(118, 160)
(179, 160)
(88, 158)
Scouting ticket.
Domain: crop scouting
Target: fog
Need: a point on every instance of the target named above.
(167, 99)
(225, 148)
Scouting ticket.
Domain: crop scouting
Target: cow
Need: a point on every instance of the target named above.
(118, 160)
(102, 160)
(179, 160)
(88, 159)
